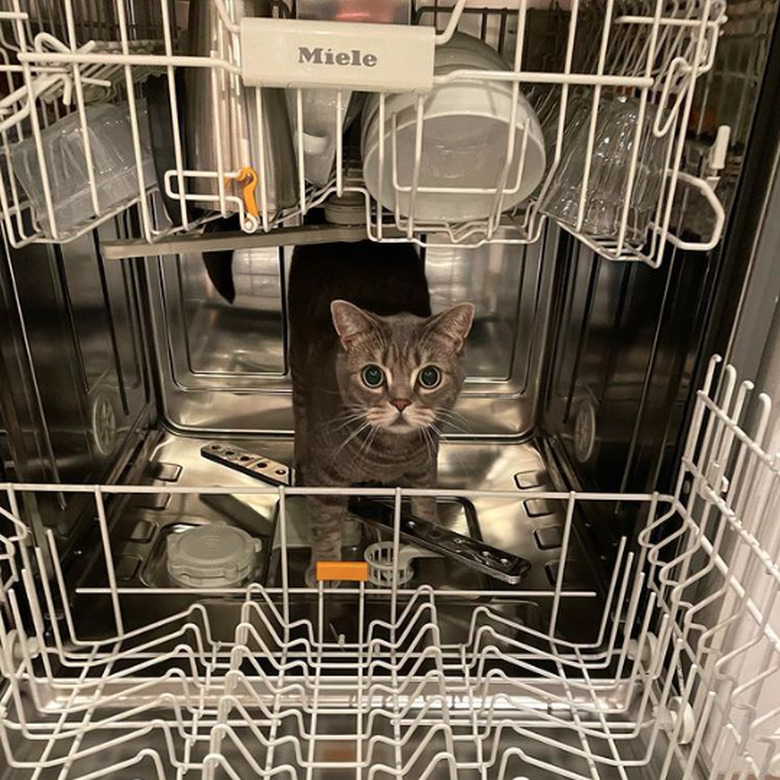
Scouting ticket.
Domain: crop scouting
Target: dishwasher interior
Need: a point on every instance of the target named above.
(597, 446)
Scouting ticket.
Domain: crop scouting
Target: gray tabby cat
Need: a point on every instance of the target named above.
(372, 374)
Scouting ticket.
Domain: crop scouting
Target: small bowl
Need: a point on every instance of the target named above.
(464, 142)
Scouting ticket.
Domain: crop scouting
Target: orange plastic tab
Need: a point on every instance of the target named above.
(346, 571)
(250, 177)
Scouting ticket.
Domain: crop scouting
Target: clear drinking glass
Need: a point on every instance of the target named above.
(610, 166)
(578, 106)
(113, 161)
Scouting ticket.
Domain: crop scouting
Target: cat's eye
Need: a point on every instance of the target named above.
(429, 377)
(373, 376)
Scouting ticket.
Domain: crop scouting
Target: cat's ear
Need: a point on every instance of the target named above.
(351, 322)
(453, 325)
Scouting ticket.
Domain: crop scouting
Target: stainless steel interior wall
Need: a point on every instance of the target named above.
(73, 359)
(223, 367)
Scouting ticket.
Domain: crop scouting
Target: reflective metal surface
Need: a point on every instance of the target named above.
(229, 125)
(223, 366)
(523, 526)
(74, 362)
(621, 364)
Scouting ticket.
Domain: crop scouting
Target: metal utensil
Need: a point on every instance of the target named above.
(470, 552)
(226, 121)
(250, 463)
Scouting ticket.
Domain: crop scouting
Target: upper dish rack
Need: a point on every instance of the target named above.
(210, 139)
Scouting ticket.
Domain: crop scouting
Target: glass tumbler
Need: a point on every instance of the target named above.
(113, 163)
(610, 166)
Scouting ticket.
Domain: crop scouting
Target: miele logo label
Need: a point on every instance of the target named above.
(320, 56)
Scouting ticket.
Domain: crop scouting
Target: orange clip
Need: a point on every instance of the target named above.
(346, 571)
(249, 176)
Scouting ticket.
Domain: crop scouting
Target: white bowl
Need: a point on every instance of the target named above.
(464, 143)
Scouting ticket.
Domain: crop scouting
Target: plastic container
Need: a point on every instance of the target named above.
(319, 107)
(465, 134)
(113, 162)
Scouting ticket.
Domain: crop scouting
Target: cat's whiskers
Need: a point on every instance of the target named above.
(451, 451)
(346, 423)
(351, 414)
(362, 454)
(439, 432)
(381, 417)
(420, 418)
(432, 443)
(352, 435)
(429, 446)
(422, 438)
(442, 416)
(451, 414)
(349, 409)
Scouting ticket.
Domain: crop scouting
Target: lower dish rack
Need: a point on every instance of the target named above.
(670, 677)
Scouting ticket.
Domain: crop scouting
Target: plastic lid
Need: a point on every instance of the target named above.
(212, 556)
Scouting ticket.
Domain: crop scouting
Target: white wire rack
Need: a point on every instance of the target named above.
(682, 648)
(653, 51)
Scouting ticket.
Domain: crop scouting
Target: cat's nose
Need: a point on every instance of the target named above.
(401, 403)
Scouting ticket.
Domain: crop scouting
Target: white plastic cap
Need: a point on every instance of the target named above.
(212, 556)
